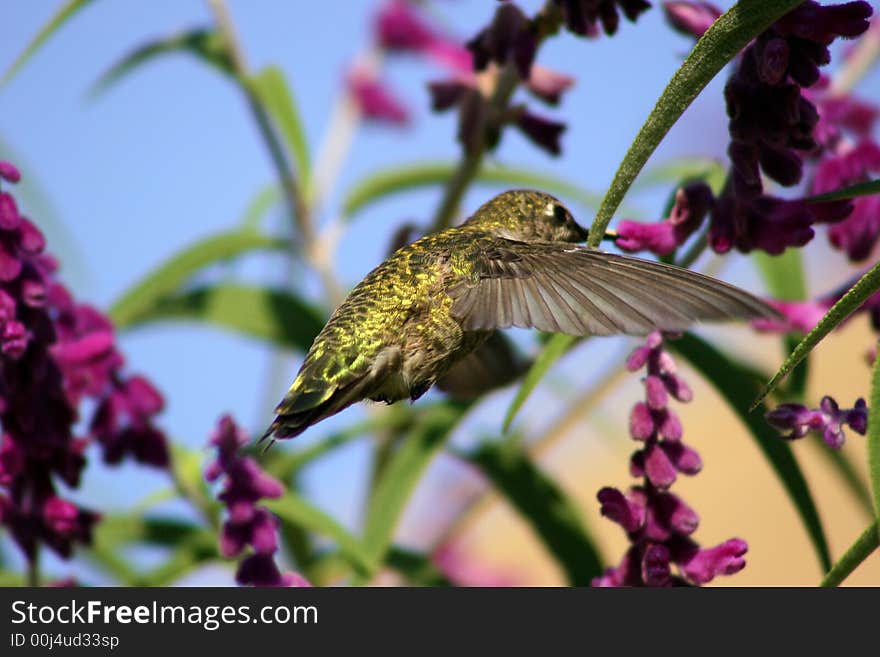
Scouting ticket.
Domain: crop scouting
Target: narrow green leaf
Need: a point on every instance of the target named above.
(718, 45)
(259, 205)
(187, 471)
(864, 546)
(849, 475)
(874, 438)
(416, 567)
(276, 316)
(554, 517)
(683, 168)
(205, 44)
(862, 189)
(186, 557)
(283, 464)
(555, 348)
(433, 426)
(272, 89)
(293, 509)
(736, 386)
(117, 529)
(783, 274)
(399, 179)
(168, 277)
(8, 579)
(848, 303)
(64, 13)
(784, 278)
(191, 545)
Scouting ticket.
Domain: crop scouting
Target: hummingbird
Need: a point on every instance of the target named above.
(515, 262)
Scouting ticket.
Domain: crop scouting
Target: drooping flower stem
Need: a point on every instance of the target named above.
(33, 568)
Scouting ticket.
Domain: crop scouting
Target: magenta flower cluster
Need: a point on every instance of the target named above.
(400, 29)
(54, 354)
(247, 523)
(779, 118)
(658, 523)
(585, 17)
(828, 420)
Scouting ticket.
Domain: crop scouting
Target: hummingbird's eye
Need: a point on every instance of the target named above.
(560, 214)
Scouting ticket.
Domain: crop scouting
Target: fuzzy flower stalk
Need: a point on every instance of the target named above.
(56, 354)
(658, 523)
(247, 524)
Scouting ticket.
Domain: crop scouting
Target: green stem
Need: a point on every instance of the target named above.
(298, 209)
(33, 568)
(865, 544)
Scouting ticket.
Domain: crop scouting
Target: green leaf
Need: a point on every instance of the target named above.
(861, 189)
(848, 303)
(415, 175)
(784, 277)
(283, 464)
(555, 348)
(718, 45)
(259, 206)
(192, 546)
(168, 277)
(272, 89)
(275, 316)
(205, 44)
(874, 438)
(9, 579)
(416, 567)
(187, 472)
(297, 511)
(683, 168)
(783, 274)
(555, 518)
(736, 386)
(67, 10)
(119, 529)
(402, 473)
(864, 546)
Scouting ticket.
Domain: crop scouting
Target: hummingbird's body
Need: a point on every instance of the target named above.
(513, 263)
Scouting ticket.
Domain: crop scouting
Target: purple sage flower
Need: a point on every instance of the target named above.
(773, 127)
(828, 420)
(509, 37)
(658, 523)
(583, 16)
(247, 523)
(54, 354)
(692, 204)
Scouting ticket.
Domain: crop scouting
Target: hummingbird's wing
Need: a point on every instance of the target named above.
(563, 288)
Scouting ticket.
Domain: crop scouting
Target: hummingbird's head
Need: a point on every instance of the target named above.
(527, 215)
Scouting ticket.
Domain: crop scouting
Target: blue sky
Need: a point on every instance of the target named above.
(171, 155)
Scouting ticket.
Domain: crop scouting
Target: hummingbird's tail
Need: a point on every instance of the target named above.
(300, 410)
